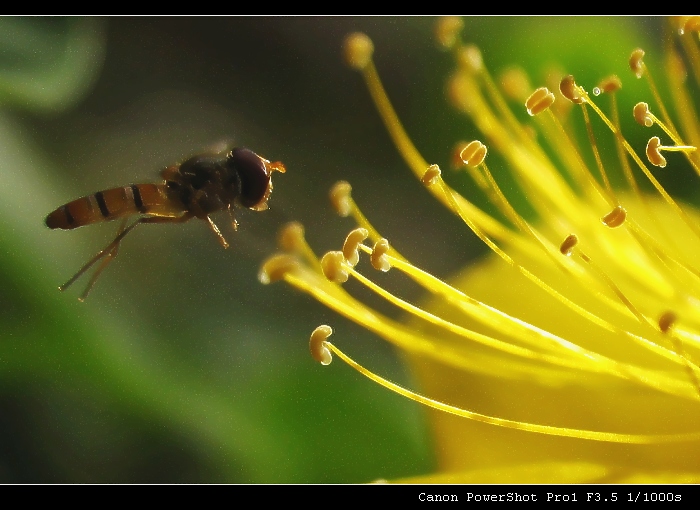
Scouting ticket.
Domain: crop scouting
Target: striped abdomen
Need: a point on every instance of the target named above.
(150, 199)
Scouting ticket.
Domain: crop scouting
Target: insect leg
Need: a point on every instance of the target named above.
(110, 251)
(106, 251)
(105, 261)
(217, 232)
(185, 217)
(234, 223)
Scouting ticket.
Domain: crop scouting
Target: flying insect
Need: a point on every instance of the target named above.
(202, 185)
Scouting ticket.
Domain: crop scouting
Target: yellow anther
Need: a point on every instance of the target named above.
(653, 152)
(379, 260)
(642, 114)
(431, 175)
(291, 236)
(567, 247)
(569, 89)
(341, 199)
(666, 321)
(539, 101)
(352, 243)
(334, 269)
(469, 58)
(608, 85)
(456, 155)
(474, 153)
(615, 218)
(692, 24)
(358, 49)
(515, 83)
(553, 77)
(461, 90)
(637, 62)
(317, 344)
(447, 31)
(274, 268)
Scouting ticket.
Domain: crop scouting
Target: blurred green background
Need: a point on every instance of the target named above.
(181, 367)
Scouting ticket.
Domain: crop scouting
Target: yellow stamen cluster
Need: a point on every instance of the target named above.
(610, 282)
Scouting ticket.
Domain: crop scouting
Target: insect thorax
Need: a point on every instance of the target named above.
(205, 184)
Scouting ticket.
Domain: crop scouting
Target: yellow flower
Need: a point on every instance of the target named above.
(570, 354)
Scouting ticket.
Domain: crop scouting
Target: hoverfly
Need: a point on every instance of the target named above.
(202, 185)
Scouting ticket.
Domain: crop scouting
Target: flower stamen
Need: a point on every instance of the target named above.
(358, 50)
(685, 107)
(539, 101)
(646, 118)
(352, 243)
(608, 85)
(511, 424)
(335, 268)
(379, 256)
(622, 268)
(570, 90)
(319, 346)
(520, 330)
(291, 239)
(457, 203)
(643, 115)
(615, 218)
(596, 153)
(637, 62)
(567, 246)
(276, 268)
(343, 203)
(474, 153)
(657, 185)
(341, 198)
(654, 149)
(447, 31)
(583, 363)
(667, 321)
(285, 266)
(516, 84)
(639, 68)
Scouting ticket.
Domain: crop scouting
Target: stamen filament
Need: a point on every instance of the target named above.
(673, 132)
(414, 159)
(659, 188)
(634, 264)
(506, 258)
(550, 290)
(596, 154)
(458, 330)
(291, 238)
(591, 435)
(522, 330)
(335, 298)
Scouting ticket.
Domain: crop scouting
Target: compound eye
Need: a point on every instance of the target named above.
(255, 178)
